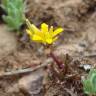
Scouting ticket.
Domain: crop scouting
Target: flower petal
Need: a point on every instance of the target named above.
(28, 23)
(32, 27)
(49, 41)
(29, 32)
(51, 29)
(35, 29)
(36, 38)
(55, 39)
(44, 27)
(57, 31)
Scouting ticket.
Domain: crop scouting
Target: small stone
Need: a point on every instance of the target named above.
(32, 84)
(86, 67)
(12, 89)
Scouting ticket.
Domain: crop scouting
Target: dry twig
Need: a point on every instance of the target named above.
(25, 71)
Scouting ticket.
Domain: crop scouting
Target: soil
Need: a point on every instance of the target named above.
(78, 18)
(8, 41)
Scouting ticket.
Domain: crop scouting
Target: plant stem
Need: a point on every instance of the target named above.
(58, 62)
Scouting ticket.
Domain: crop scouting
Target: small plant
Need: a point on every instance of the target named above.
(14, 13)
(90, 83)
(47, 36)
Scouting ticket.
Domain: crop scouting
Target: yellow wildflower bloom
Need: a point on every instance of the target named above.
(44, 35)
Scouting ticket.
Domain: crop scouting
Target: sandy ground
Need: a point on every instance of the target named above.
(77, 17)
(8, 41)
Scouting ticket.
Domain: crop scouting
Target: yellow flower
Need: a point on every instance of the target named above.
(44, 35)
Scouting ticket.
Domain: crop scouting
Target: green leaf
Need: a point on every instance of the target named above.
(89, 84)
(15, 13)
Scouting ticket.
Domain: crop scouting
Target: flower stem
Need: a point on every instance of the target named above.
(58, 62)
